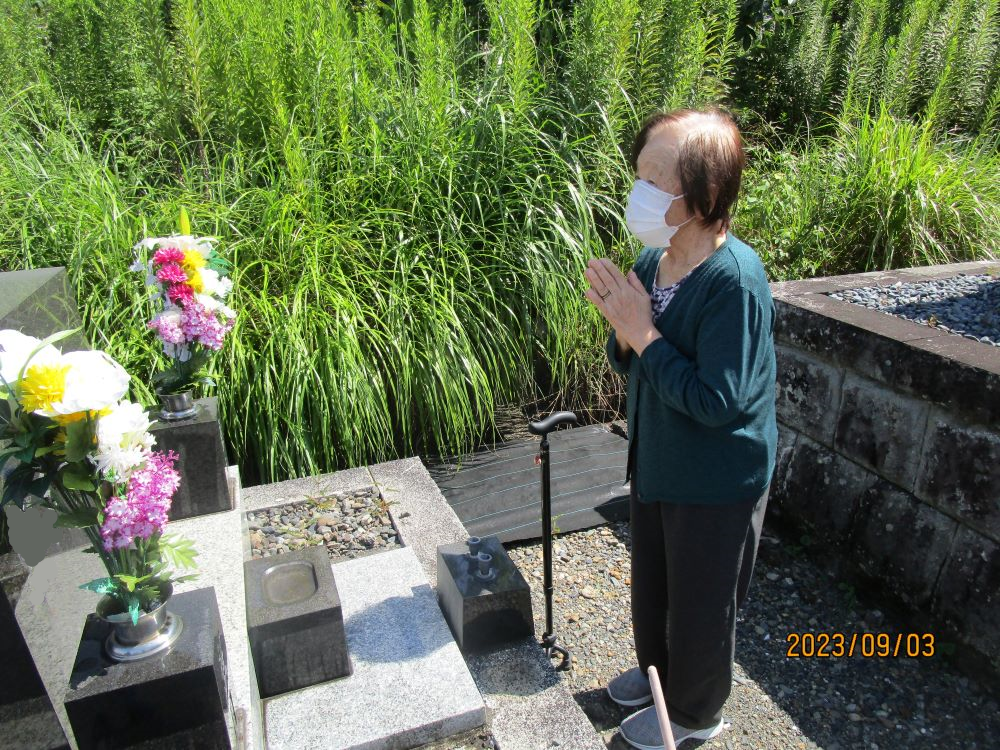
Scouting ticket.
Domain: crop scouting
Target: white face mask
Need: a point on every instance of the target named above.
(646, 212)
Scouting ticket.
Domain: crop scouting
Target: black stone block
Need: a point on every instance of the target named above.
(202, 464)
(41, 302)
(27, 719)
(484, 612)
(38, 303)
(152, 702)
(295, 621)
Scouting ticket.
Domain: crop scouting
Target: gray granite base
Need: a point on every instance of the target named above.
(529, 706)
(31, 725)
(52, 609)
(410, 684)
(27, 720)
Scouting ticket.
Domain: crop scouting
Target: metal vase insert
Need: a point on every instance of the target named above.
(175, 406)
(153, 633)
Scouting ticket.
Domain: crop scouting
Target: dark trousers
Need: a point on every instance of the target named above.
(691, 569)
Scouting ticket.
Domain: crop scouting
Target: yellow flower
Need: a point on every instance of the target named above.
(65, 419)
(59, 442)
(195, 282)
(193, 260)
(43, 386)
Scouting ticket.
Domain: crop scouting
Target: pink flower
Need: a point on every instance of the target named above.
(143, 510)
(168, 255)
(180, 294)
(168, 327)
(201, 325)
(171, 273)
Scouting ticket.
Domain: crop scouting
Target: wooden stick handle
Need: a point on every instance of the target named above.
(661, 710)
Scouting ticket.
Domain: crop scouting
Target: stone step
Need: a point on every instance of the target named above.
(410, 684)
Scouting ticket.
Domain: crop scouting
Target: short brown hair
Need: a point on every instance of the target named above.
(710, 162)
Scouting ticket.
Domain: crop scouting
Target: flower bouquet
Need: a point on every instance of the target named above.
(81, 450)
(189, 282)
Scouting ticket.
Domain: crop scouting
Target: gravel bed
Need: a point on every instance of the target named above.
(349, 524)
(777, 702)
(477, 739)
(964, 305)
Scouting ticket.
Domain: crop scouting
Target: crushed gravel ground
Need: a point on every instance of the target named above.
(777, 702)
(964, 305)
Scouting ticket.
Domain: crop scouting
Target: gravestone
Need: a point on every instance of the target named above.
(27, 719)
(483, 595)
(178, 699)
(40, 303)
(202, 462)
(295, 621)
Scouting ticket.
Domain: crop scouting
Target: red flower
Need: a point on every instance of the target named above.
(180, 294)
(167, 255)
(171, 273)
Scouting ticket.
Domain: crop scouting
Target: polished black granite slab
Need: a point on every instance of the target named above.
(27, 719)
(197, 440)
(152, 702)
(295, 621)
(484, 609)
(39, 303)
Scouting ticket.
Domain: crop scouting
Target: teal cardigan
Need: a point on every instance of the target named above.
(701, 422)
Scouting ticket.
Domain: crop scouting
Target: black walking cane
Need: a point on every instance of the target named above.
(543, 428)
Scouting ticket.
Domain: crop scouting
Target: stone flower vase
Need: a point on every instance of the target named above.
(153, 633)
(177, 406)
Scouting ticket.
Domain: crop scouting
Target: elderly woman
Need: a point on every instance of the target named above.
(692, 331)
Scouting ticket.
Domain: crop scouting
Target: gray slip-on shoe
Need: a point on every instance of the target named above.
(630, 688)
(642, 731)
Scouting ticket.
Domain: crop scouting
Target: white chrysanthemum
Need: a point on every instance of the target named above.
(123, 439)
(170, 316)
(94, 382)
(215, 285)
(186, 242)
(214, 305)
(148, 243)
(15, 350)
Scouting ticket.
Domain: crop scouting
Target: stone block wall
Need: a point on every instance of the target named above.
(889, 451)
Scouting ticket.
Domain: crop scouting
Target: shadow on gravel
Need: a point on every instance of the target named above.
(842, 702)
(780, 702)
(777, 702)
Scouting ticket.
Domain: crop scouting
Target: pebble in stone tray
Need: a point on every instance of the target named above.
(349, 524)
(965, 305)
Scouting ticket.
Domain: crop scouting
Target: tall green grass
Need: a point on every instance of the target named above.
(933, 60)
(410, 191)
(879, 192)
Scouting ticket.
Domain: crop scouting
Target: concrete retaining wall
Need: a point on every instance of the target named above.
(889, 451)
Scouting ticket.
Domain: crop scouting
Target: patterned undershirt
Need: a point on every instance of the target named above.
(662, 295)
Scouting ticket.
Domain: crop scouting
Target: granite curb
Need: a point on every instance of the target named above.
(528, 706)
